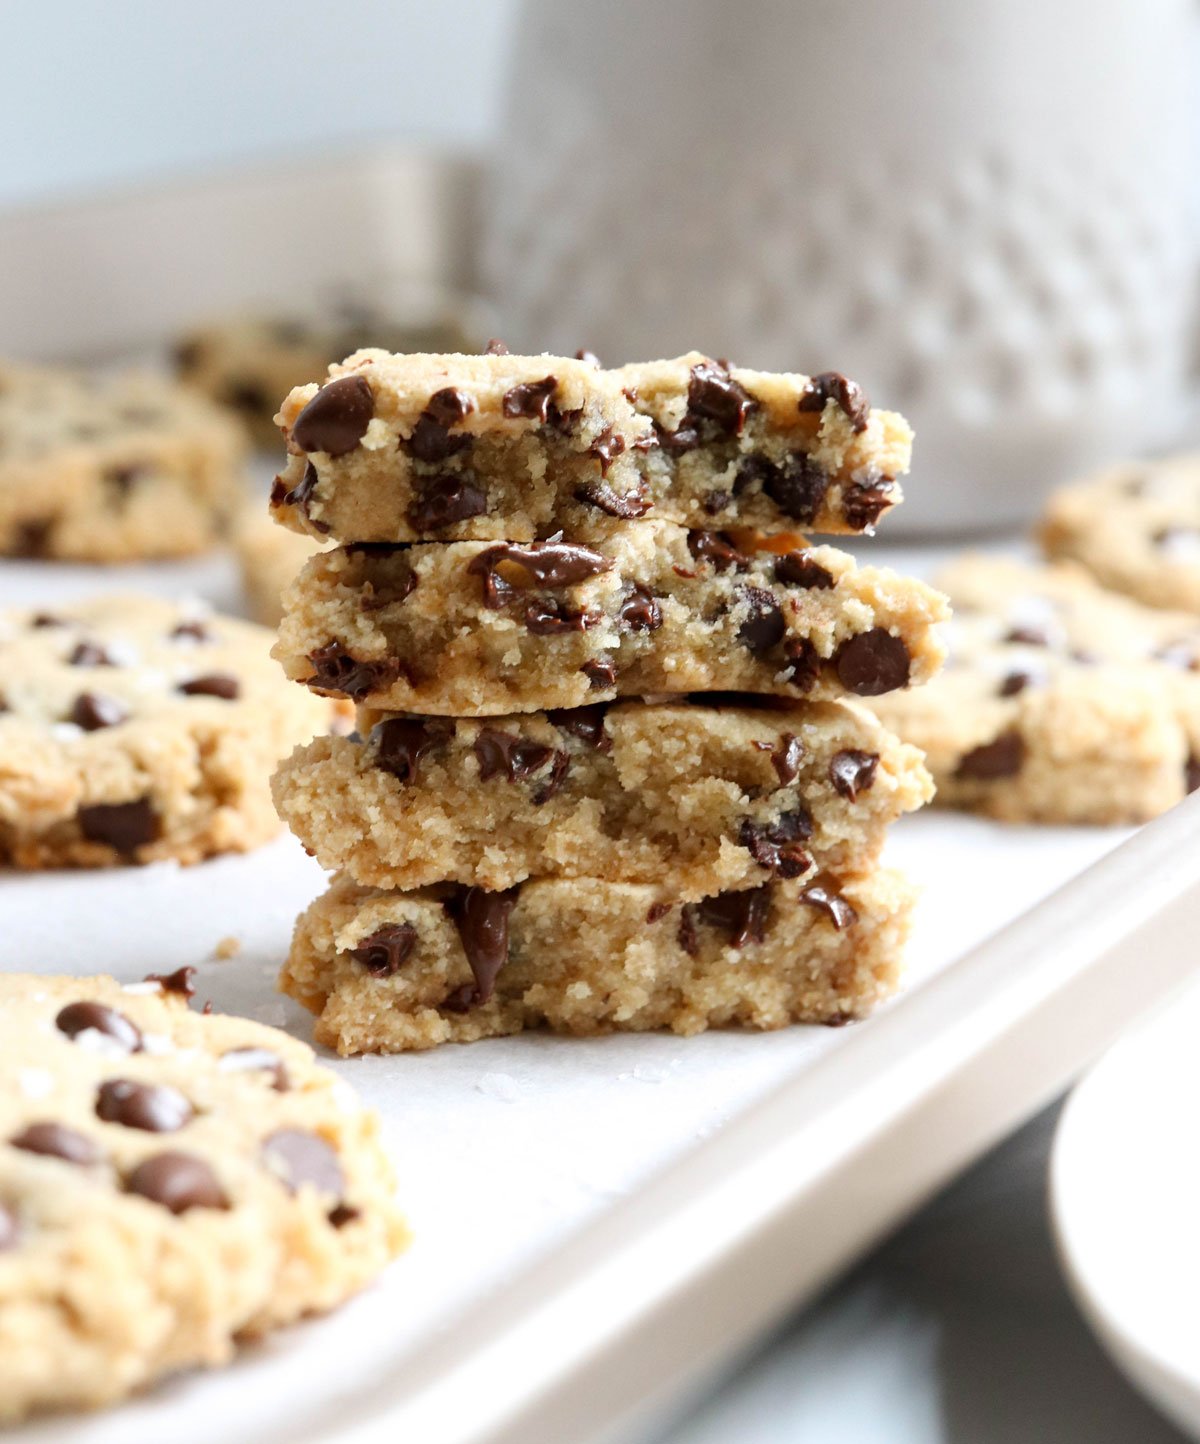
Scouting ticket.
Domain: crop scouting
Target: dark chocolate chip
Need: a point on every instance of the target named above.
(833, 386)
(835, 907)
(550, 617)
(786, 758)
(399, 743)
(504, 753)
(625, 505)
(1013, 684)
(1002, 757)
(657, 911)
(257, 1060)
(177, 1181)
(586, 723)
(90, 654)
(601, 673)
(336, 671)
(124, 826)
(764, 626)
(797, 484)
(152, 1107)
(432, 443)
(777, 845)
(798, 569)
(803, 663)
(93, 710)
(343, 1214)
(864, 502)
(32, 538)
(81, 1017)
(215, 684)
(742, 914)
(303, 1159)
(547, 564)
(56, 1140)
(495, 347)
(717, 548)
(387, 949)
(482, 921)
(180, 981)
(196, 631)
(560, 765)
(449, 406)
(531, 399)
(685, 438)
(852, 772)
(337, 417)
(715, 396)
(640, 611)
(300, 496)
(873, 662)
(46, 619)
(1191, 774)
(249, 397)
(606, 448)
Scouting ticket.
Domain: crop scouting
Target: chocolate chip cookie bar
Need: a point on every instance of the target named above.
(170, 1184)
(1060, 702)
(110, 469)
(269, 559)
(713, 796)
(496, 447)
(475, 628)
(1136, 528)
(391, 971)
(134, 729)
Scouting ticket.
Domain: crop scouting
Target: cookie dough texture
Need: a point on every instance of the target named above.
(712, 797)
(449, 447)
(170, 1184)
(474, 628)
(112, 468)
(270, 559)
(1060, 701)
(134, 729)
(388, 971)
(1136, 528)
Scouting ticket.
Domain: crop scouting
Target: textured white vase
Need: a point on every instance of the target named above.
(983, 210)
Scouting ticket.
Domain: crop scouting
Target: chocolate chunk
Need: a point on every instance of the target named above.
(1191, 774)
(149, 1106)
(657, 911)
(495, 347)
(1027, 636)
(835, 907)
(586, 723)
(1002, 757)
(852, 772)
(178, 1181)
(93, 710)
(833, 386)
(337, 417)
(601, 673)
(195, 631)
(550, 617)
(624, 505)
(302, 1159)
(776, 845)
(9, 1229)
(547, 564)
(786, 758)
(81, 1017)
(531, 399)
(90, 654)
(1013, 684)
(399, 743)
(180, 981)
(482, 921)
(742, 914)
(336, 671)
(445, 499)
(257, 1060)
(56, 1140)
(864, 502)
(764, 626)
(803, 663)
(873, 662)
(716, 547)
(714, 395)
(606, 448)
(640, 611)
(215, 684)
(124, 826)
(387, 949)
(505, 753)
(797, 569)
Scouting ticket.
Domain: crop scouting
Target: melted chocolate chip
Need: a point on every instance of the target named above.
(835, 907)
(1013, 684)
(640, 611)
(797, 484)
(124, 826)
(504, 753)
(797, 569)
(177, 1181)
(151, 1107)
(386, 950)
(78, 1018)
(873, 662)
(864, 502)
(742, 914)
(90, 654)
(560, 765)
(531, 399)
(399, 743)
(215, 684)
(495, 347)
(94, 710)
(442, 500)
(337, 417)
(786, 758)
(300, 496)
(482, 921)
(180, 981)
(776, 845)
(764, 626)
(432, 443)
(302, 1159)
(550, 617)
(257, 1060)
(601, 674)
(547, 564)
(685, 437)
(336, 671)
(56, 1140)
(624, 505)
(717, 548)
(803, 663)
(852, 772)
(1002, 757)
(606, 448)
(715, 396)
(586, 723)
(833, 386)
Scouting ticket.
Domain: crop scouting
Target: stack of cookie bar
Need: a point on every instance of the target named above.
(608, 772)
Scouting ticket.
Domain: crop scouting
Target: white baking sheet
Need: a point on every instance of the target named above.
(502, 1148)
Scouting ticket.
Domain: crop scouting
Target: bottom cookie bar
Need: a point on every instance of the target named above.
(391, 971)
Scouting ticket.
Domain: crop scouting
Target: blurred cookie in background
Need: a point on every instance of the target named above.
(269, 558)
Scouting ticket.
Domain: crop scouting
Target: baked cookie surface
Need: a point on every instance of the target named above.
(170, 1183)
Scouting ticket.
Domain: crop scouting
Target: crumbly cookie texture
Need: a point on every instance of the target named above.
(391, 971)
(1136, 528)
(474, 628)
(449, 447)
(1060, 702)
(712, 796)
(270, 558)
(170, 1183)
(134, 729)
(247, 362)
(110, 469)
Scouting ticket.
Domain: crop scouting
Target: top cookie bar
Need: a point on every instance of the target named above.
(476, 448)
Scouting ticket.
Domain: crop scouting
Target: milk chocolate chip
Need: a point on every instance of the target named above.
(80, 1017)
(56, 1140)
(177, 1181)
(303, 1159)
(151, 1107)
